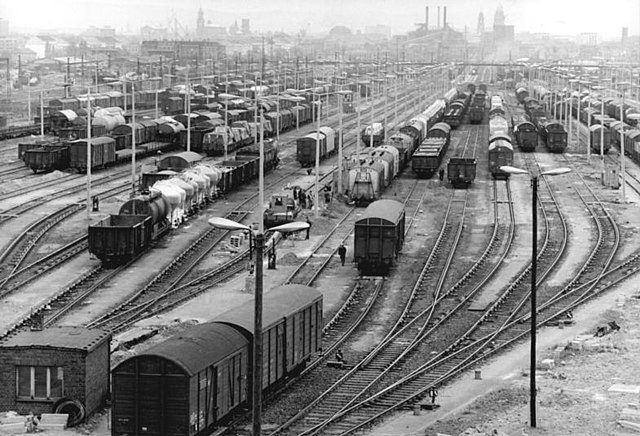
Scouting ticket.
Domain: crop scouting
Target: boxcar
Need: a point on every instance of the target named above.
(179, 161)
(461, 171)
(555, 136)
(191, 383)
(500, 154)
(379, 236)
(306, 147)
(600, 134)
(103, 153)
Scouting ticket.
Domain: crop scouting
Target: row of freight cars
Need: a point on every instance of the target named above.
(220, 352)
(167, 199)
(45, 156)
(500, 147)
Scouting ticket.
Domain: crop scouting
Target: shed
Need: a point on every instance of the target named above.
(41, 369)
(179, 161)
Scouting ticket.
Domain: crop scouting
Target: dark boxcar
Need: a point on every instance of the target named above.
(179, 161)
(379, 236)
(500, 154)
(306, 149)
(461, 171)
(119, 238)
(47, 158)
(189, 384)
(103, 153)
(600, 135)
(555, 136)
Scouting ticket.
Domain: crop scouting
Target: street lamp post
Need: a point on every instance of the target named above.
(258, 238)
(534, 254)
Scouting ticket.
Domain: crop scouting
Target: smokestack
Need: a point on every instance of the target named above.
(444, 18)
(438, 18)
(426, 18)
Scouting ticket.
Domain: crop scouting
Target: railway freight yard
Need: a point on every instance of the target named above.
(407, 240)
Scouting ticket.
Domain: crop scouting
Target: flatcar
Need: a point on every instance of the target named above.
(379, 236)
(461, 171)
(193, 382)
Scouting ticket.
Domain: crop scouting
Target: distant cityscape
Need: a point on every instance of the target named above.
(434, 40)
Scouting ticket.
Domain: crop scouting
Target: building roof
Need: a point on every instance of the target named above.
(73, 338)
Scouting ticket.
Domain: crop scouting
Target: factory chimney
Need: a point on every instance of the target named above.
(438, 27)
(444, 17)
(426, 18)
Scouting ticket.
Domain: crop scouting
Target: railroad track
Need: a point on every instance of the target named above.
(15, 274)
(123, 325)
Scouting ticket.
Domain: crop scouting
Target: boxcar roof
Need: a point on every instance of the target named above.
(188, 157)
(389, 210)
(279, 302)
(198, 347)
(75, 338)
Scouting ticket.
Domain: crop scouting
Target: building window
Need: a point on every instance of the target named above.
(39, 382)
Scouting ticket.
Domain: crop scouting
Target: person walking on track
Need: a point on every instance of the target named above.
(342, 252)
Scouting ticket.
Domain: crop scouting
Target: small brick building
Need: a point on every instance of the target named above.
(39, 369)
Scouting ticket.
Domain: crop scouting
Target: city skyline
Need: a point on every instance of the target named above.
(538, 16)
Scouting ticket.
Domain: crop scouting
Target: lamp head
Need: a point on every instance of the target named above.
(556, 171)
(513, 170)
(226, 224)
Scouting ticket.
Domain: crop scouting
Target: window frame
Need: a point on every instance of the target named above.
(51, 374)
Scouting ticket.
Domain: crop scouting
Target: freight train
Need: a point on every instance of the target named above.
(166, 201)
(552, 132)
(429, 155)
(500, 147)
(193, 382)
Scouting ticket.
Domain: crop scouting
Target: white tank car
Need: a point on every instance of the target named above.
(190, 202)
(213, 174)
(175, 196)
(202, 182)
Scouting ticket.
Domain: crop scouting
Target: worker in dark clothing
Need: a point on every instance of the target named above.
(308, 228)
(433, 393)
(339, 356)
(342, 252)
(441, 174)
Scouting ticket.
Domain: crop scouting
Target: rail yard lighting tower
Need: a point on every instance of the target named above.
(340, 95)
(534, 252)
(258, 238)
(622, 156)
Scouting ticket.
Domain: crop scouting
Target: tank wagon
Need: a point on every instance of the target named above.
(461, 171)
(193, 382)
(306, 146)
(181, 186)
(379, 236)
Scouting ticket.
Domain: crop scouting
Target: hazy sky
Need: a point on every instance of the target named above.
(559, 17)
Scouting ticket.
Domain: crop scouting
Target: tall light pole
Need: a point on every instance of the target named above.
(225, 224)
(622, 156)
(534, 255)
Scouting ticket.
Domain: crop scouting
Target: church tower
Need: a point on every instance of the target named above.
(200, 22)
